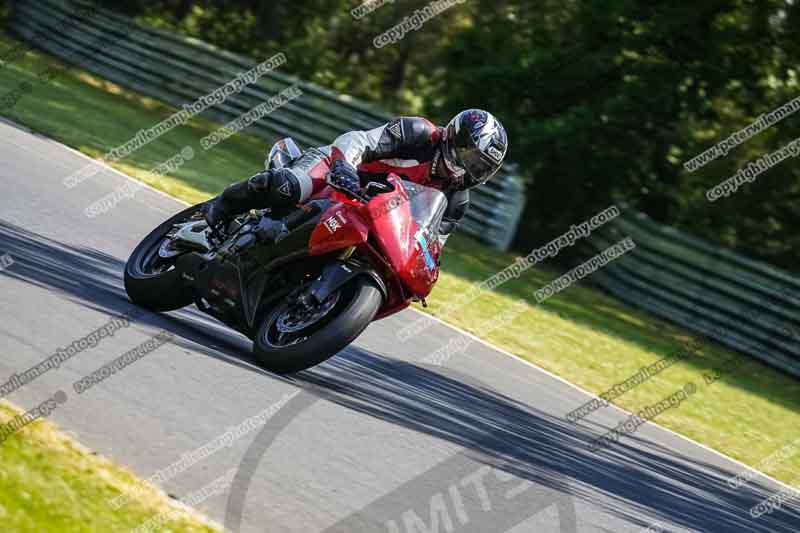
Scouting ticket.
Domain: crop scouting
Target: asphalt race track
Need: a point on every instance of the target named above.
(371, 441)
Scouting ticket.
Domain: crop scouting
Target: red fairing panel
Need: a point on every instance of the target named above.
(406, 252)
(396, 233)
(340, 227)
(394, 228)
(420, 278)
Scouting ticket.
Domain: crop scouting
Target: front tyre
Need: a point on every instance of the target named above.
(151, 279)
(294, 337)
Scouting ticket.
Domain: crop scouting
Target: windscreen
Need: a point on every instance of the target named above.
(427, 207)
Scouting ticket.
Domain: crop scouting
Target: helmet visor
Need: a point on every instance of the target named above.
(478, 166)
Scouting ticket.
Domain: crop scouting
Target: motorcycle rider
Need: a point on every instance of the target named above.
(464, 154)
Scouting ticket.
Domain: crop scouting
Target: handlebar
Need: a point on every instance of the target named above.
(366, 194)
(347, 192)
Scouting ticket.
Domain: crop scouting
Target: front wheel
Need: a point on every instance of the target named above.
(151, 279)
(294, 336)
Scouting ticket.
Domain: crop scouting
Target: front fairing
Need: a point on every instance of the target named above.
(406, 228)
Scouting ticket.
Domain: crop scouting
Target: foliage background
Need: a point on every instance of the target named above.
(604, 101)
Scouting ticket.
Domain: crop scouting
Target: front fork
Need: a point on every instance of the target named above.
(338, 273)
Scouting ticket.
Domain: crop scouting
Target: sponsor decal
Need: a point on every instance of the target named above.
(496, 154)
(425, 248)
(396, 130)
(335, 222)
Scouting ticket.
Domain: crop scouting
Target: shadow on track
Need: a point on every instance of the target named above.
(93, 279)
(494, 429)
(549, 451)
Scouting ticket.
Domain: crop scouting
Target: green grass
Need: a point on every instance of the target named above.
(581, 334)
(49, 483)
(594, 341)
(95, 116)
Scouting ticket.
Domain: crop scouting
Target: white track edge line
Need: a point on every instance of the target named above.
(592, 395)
(104, 166)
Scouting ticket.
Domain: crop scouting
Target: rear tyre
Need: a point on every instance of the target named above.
(150, 279)
(351, 309)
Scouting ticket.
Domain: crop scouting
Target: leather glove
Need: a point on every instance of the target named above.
(345, 175)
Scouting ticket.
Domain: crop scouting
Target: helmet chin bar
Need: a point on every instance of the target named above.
(454, 174)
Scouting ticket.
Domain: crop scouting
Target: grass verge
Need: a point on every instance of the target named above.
(582, 335)
(50, 483)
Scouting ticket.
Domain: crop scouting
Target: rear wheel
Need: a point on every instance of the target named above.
(151, 279)
(295, 336)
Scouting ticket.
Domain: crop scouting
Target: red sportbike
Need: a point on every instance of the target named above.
(348, 259)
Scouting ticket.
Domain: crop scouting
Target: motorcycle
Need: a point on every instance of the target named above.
(347, 259)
